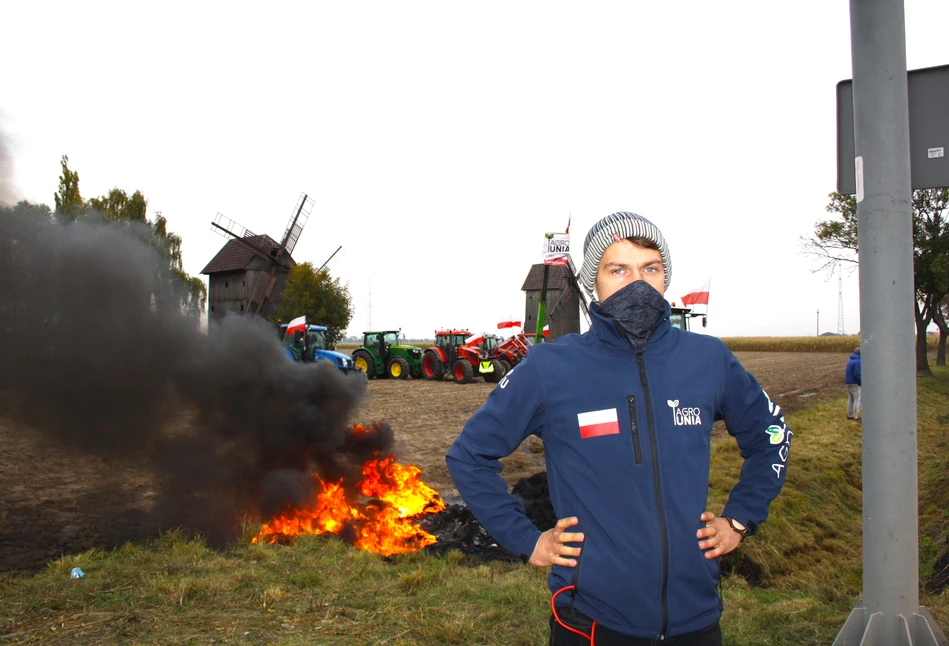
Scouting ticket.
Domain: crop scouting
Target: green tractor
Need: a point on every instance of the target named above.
(382, 356)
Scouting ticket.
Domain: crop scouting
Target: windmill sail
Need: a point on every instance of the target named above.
(301, 213)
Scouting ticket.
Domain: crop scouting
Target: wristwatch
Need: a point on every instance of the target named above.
(735, 525)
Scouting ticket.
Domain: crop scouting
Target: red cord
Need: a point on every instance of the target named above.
(553, 609)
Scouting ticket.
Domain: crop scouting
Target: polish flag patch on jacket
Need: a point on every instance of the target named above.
(598, 422)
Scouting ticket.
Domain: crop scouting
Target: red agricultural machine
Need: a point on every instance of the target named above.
(508, 353)
(453, 353)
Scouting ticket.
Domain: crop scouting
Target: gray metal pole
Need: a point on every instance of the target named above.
(889, 614)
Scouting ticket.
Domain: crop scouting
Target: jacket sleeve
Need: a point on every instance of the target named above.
(764, 441)
(857, 372)
(512, 412)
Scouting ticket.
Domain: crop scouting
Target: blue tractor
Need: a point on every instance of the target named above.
(312, 347)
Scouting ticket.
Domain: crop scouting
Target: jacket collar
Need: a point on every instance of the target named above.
(603, 329)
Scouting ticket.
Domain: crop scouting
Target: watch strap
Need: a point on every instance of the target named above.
(743, 531)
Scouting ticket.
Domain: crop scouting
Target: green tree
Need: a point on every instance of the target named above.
(930, 263)
(324, 301)
(69, 204)
(835, 242)
(941, 317)
(189, 294)
(119, 206)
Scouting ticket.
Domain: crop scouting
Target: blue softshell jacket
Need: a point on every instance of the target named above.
(627, 448)
(852, 372)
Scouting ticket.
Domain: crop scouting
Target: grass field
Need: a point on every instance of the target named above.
(802, 570)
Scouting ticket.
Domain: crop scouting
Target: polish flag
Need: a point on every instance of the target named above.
(299, 323)
(697, 296)
(598, 422)
(508, 322)
(546, 330)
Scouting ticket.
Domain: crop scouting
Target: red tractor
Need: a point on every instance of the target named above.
(453, 353)
(512, 352)
(509, 353)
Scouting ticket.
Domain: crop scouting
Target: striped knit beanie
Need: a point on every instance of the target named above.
(619, 226)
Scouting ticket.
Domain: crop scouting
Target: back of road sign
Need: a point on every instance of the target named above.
(928, 90)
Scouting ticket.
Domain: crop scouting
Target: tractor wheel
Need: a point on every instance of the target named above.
(497, 375)
(499, 370)
(505, 366)
(463, 372)
(432, 366)
(398, 368)
(363, 361)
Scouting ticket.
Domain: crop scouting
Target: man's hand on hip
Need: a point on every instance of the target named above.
(551, 548)
(719, 537)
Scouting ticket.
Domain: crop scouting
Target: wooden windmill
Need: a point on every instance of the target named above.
(276, 254)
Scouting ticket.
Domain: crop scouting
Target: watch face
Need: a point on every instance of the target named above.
(738, 527)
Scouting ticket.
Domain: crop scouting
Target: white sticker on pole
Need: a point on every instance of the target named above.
(933, 153)
(858, 167)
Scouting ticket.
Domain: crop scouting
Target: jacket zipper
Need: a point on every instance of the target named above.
(634, 428)
(653, 441)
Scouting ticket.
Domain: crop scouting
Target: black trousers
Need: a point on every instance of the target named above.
(560, 636)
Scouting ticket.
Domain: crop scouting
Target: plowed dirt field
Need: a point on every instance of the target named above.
(53, 502)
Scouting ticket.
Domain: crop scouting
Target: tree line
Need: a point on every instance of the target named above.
(311, 292)
(117, 208)
(835, 242)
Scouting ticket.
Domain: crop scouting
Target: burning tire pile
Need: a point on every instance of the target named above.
(456, 528)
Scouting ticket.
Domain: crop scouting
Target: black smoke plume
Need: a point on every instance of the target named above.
(96, 356)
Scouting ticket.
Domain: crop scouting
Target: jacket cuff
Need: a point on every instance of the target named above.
(528, 544)
(742, 516)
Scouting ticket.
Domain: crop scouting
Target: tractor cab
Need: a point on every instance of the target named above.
(381, 355)
(490, 343)
(380, 342)
(311, 347)
(680, 317)
(450, 340)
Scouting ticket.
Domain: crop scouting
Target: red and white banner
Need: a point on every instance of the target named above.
(697, 296)
(546, 330)
(299, 323)
(598, 422)
(508, 322)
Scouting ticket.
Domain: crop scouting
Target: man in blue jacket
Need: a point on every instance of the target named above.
(625, 412)
(853, 380)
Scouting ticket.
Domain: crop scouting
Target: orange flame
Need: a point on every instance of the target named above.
(384, 524)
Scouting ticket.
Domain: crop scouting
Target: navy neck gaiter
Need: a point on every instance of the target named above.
(635, 310)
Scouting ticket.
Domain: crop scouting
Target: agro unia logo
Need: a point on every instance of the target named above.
(684, 416)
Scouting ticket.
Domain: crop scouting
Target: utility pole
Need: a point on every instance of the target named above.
(889, 613)
(840, 301)
(818, 323)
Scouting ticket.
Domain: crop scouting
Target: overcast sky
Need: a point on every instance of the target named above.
(439, 141)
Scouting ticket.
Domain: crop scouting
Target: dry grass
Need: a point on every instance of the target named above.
(844, 343)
